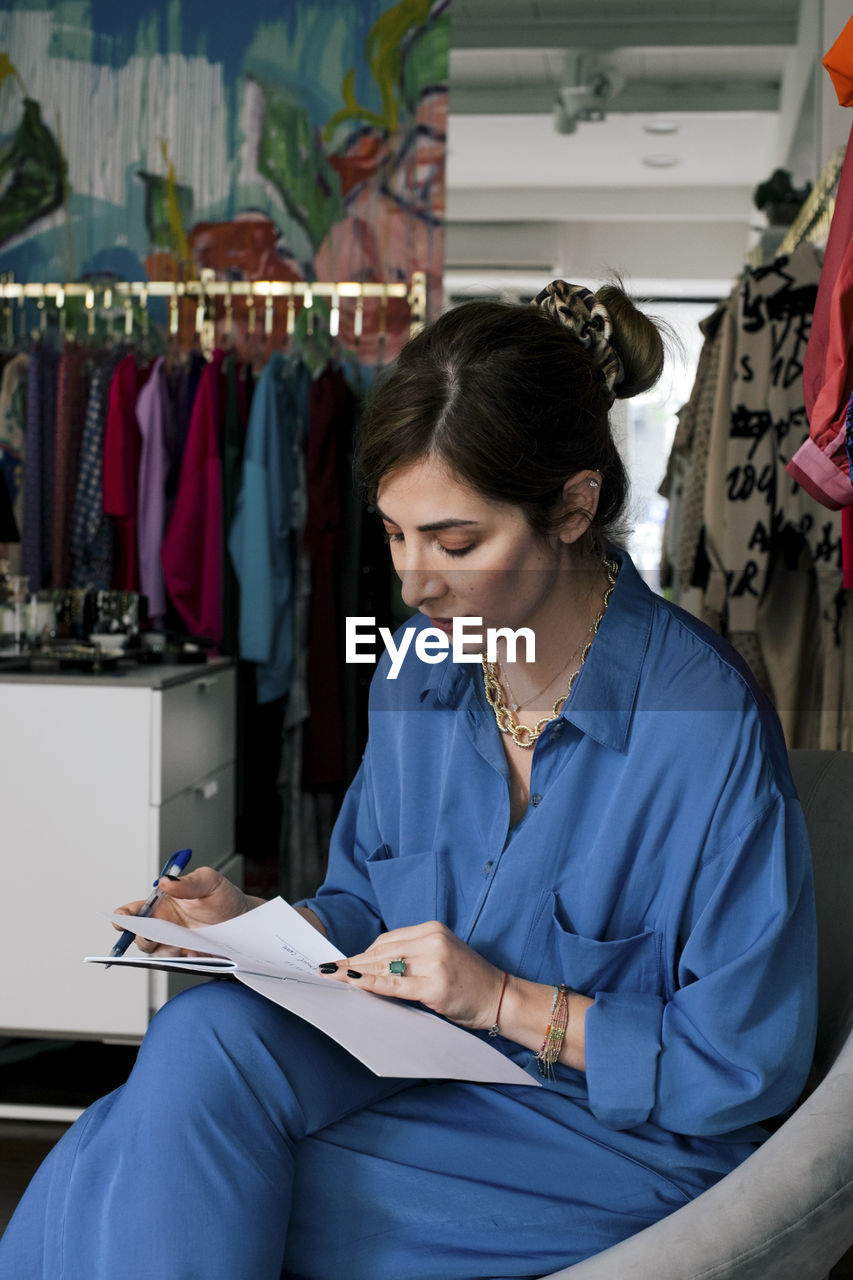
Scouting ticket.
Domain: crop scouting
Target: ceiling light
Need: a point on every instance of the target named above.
(663, 125)
(661, 160)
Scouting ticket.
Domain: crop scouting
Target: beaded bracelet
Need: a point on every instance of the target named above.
(555, 1033)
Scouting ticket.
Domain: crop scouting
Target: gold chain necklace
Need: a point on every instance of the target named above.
(504, 679)
(524, 735)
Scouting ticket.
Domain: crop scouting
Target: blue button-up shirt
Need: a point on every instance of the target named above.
(662, 865)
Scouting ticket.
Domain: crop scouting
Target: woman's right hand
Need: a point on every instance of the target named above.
(200, 897)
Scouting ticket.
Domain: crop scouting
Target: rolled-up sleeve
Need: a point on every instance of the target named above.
(731, 1042)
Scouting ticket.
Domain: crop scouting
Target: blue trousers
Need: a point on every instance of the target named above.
(248, 1146)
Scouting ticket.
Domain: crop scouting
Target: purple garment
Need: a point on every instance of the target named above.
(153, 414)
(37, 533)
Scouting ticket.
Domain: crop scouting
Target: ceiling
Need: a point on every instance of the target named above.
(623, 135)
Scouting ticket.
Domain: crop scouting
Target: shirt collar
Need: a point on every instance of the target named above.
(602, 701)
(605, 693)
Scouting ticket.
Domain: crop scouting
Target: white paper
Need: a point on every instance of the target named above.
(180, 964)
(275, 951)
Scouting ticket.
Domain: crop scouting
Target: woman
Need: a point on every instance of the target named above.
(593, 855)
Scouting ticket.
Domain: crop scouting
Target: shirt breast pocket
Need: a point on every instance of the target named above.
(406, 888)
(554, 953)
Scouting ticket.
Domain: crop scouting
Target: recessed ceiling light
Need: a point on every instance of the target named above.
(661, 160)
(662, 125)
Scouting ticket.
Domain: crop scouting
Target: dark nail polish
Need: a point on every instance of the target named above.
(353, 973)
(172, 878)
(328, 967)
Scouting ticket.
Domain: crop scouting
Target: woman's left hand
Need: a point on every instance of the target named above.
(441, 972)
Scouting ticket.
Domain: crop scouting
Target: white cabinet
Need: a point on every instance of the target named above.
(101, 777)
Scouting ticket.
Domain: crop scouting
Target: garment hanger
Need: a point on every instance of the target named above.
(106, 318)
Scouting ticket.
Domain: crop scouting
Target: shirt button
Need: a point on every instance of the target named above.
(487, 868)
(535, 799)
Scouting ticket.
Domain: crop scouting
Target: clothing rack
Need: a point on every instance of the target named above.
(207, 289)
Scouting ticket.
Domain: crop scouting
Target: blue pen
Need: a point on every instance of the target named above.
(174, 866)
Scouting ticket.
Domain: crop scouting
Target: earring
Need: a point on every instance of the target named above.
(593, 484)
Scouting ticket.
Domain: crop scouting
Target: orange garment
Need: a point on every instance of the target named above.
(839, 63)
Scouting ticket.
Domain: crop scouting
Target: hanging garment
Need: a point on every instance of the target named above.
(705, 418)
(331, 408)
(744, 494)
(182, 381)
(838, 61)
(153, 411)
(192, 546)
(260, 541)
(302, 858)
(91, 529)
(235, 418)
(302, 854)
(9, 531)
(368, 580)
(75, 367)
(122, 451)
(13, 414)
(671, 488)
(821, 464)
(37, 531)
(759, 522)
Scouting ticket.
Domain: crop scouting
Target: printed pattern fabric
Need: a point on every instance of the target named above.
(705, 414)
(13, 409)
(775, 555)
(72, 390)
(753, 510)
(91, 529)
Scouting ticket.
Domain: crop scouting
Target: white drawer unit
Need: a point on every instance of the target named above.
(101, 777)
(195, 731)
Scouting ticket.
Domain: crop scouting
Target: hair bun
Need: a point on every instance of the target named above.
(587, 319)
(625, 344)
(637, 340)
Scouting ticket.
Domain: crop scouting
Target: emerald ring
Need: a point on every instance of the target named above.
(397, 966)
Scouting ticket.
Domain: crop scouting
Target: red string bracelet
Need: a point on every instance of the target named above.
(494, 1029)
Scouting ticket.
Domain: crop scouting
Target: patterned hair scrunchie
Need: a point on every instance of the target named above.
(589, 321)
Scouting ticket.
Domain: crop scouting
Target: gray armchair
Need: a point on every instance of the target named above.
(787, 1212)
